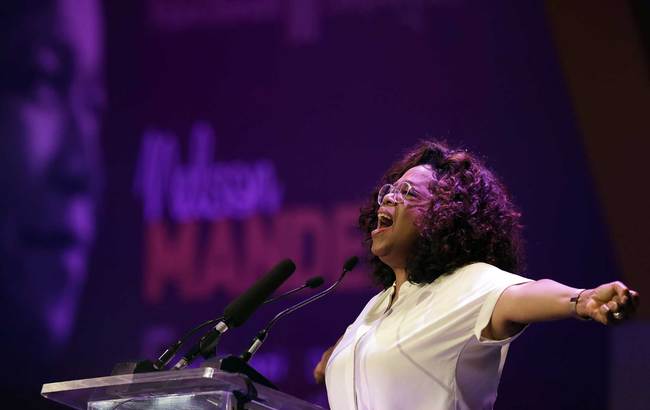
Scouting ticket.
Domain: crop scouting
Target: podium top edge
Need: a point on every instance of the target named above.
(126, 379)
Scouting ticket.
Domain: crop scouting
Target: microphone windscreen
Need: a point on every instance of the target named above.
(314, 282)
(239, 310)
(350, 263)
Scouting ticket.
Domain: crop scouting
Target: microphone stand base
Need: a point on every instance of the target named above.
(234, 364)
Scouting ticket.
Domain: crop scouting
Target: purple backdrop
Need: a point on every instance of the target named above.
(241, 134)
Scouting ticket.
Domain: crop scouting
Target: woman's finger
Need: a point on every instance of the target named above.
(620, 300)
(612, 306)
(319, 373)
(620, 289)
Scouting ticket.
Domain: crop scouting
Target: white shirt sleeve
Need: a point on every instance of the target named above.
(495, 282)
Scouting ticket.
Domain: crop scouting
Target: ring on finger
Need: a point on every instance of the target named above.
(618, 315)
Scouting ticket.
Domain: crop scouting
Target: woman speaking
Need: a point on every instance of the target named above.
(444, 237)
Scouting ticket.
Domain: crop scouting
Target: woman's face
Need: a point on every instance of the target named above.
(397, 227)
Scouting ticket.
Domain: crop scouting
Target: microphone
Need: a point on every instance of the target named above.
(261, 336)
(311, 283)
(171, 351)
(239, 310)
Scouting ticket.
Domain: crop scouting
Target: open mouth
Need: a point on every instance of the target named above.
(384, 220)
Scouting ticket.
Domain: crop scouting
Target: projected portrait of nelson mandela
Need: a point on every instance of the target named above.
(51, 100)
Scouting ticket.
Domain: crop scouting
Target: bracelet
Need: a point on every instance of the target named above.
(575, 301)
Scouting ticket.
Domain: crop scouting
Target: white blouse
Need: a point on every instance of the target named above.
(425, 351)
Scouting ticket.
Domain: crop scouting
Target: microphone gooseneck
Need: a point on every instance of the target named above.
(310, 283)
(261, 336)
(237, 312)
(171, 351)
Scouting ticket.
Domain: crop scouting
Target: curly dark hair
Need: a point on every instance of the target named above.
(471, 217)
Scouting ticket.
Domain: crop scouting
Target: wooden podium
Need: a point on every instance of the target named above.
(191, 389)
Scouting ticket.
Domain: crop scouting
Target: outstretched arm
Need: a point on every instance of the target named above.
(545, 300)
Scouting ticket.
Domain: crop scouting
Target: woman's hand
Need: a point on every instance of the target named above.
(319, 370)
(608, 304)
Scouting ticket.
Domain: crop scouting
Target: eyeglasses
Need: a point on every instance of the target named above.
(398, 192)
